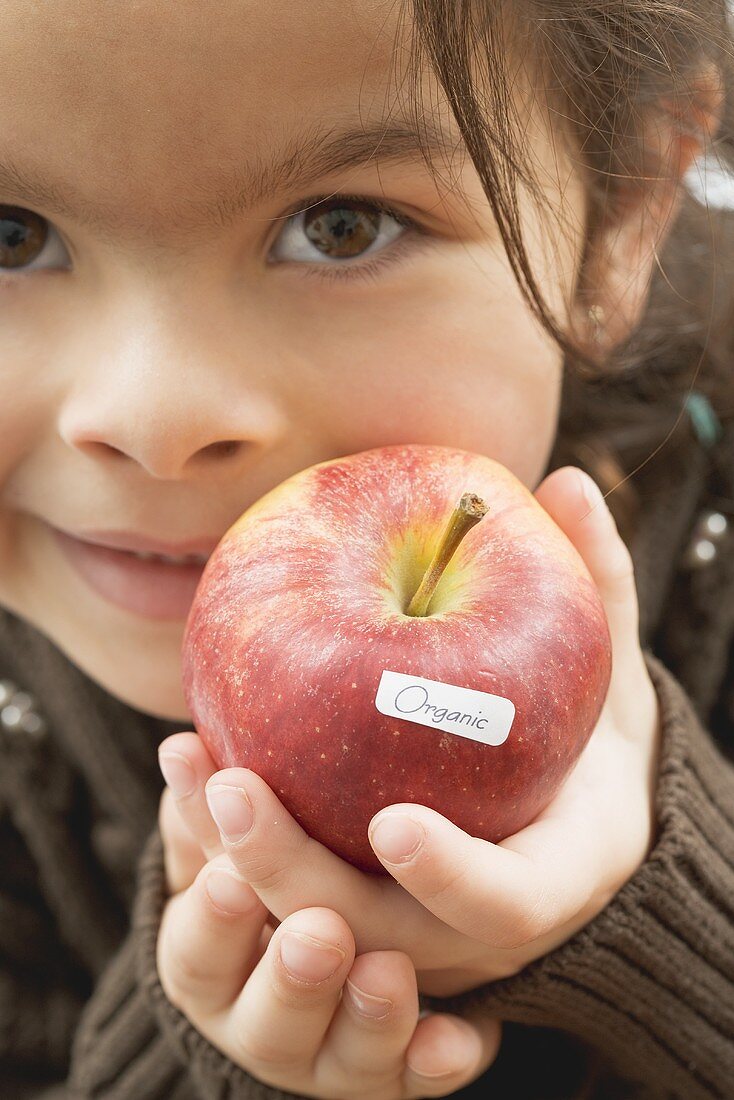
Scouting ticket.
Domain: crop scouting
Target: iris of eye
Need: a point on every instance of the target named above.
(343, 231)
(22, 236)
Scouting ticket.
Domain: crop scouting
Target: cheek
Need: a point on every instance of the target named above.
(30, 381)
(27, 454)
(24, 412)
(461, 362)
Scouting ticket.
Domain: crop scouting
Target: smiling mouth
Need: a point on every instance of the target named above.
(147, 583)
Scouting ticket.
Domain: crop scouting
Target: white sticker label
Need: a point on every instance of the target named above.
(463, 711)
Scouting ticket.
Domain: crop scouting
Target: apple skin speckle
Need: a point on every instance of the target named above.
(300, 609)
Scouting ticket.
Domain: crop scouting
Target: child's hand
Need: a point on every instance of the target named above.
(335, 1026)
(478, 911)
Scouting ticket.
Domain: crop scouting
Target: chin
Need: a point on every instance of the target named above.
(162, 698)
(142, 670)
(145, 675)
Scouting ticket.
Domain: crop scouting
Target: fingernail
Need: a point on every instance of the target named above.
(307, 959)
(232, 810)
(229, 892)
(396, 837)
(367, 1004)
(591, 492)
(178, 773)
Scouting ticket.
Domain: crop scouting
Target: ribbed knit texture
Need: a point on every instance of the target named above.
(643, 996)
(651, 980)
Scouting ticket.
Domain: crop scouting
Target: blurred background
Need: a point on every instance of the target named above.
(709, 183)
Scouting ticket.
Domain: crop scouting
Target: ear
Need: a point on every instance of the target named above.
(615, 276)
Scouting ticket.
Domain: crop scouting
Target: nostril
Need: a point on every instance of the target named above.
(97, 446)
(223, 449)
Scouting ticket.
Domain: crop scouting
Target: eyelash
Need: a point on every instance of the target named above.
(369, 268)
(366, 270)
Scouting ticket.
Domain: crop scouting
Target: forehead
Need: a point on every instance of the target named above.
(156, 99)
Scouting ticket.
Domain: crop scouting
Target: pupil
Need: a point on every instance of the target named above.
(14, 236)
(342, 231)
(22, 236)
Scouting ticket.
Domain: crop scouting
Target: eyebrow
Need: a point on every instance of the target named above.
(321, 152)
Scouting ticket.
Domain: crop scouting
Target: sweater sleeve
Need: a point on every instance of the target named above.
(121, 1041)
(649, 983)
(123, 1047)
(116, 1053)
(132, 1044)
(58, 1041)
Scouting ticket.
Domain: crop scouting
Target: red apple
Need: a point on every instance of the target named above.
(302, 609)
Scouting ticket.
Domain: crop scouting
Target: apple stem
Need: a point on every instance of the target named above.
(465, 515)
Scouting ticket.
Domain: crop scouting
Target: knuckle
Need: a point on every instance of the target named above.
(175, 995)
(261, 872)
(257, 1053)
(173, 991)
(165, 816)
(445, 881)
(293, 995)
(274, 873)
(187, 974)
(183, 973)
(365, 1067)
(621, 572)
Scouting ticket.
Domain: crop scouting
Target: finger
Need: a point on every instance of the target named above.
(290, 870)
(504, 895)
(575, 503)
(447, 1053)
(186, 765)
(183, 857)
(208, 940)
(373, 1024)
(281, 1016)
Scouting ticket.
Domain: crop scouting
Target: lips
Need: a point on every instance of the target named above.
(144, 576)
(203, 546)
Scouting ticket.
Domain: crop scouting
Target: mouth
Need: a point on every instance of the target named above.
(135, 573)
(183, 559)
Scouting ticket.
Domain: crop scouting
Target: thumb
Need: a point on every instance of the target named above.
(575, 503)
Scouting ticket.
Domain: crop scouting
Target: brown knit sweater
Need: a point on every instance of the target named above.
(639, 1004)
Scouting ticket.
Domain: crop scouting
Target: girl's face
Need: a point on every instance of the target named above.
(177, 338)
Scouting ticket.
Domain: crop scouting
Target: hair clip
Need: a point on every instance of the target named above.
(704, 421)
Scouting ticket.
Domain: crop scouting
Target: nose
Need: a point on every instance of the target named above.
(168, 398)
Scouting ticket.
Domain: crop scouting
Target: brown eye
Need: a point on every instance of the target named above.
(342, 230)
(22, 236)
(329, 233)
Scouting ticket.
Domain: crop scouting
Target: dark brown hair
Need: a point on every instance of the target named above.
(606, 67)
